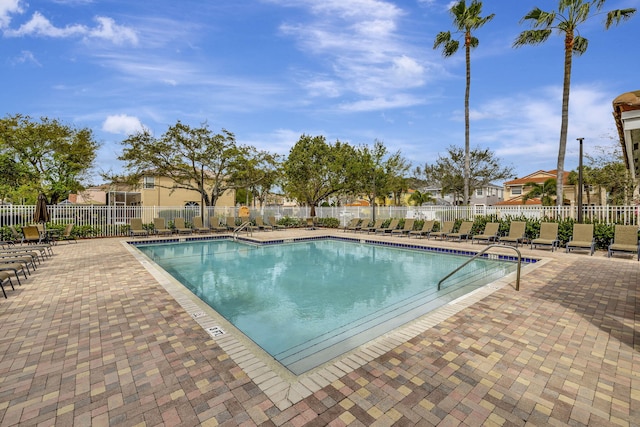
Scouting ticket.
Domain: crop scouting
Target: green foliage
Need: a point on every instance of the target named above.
(316, 170)
(44, 156)
(290, 222)
(255, 172)
(566, 21)
(465, 20)
(418, 198)
(378, 173)
(448, 171)
(5, 234)
(194, 158)
(544, 191)
(603, 234)
(244, 196)
(606, 170)
(329, 222)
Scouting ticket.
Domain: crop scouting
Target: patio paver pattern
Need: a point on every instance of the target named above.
(91, 338)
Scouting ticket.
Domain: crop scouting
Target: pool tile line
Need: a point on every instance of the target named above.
(280, 385)
(467, 253)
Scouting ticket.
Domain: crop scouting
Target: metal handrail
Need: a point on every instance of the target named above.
(478, 255)
(238, 229)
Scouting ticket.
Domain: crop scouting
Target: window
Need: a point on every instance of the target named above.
(479, 192)
(149, 182)
(516, 191)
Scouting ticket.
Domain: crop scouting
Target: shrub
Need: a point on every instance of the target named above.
(289, 222)
(329, 222)
(603, 234)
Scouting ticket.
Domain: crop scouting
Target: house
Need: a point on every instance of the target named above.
(89, 196)
(488, 195)
(626, 113)
(516, 189)
(159, 191)
(150, 191)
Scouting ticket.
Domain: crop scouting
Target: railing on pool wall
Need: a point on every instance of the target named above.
(480, 254)
(244, 226)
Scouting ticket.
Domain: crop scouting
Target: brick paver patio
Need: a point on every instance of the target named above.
(93, 337)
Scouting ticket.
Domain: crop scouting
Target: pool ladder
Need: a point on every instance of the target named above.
(244, 226)
(480, 254)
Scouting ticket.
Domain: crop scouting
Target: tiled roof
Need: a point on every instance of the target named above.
(538, 177)
(517, 201)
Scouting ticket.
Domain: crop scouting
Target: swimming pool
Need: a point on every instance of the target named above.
(306, 303)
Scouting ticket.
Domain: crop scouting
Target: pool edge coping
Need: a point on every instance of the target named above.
(282, 386)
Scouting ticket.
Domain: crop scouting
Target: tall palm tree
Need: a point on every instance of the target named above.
(570, 14)
(465, 20)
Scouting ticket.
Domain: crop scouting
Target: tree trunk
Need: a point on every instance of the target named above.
(562, 148)
(467, 164)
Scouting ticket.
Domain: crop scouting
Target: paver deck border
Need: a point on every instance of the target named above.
(283, 387)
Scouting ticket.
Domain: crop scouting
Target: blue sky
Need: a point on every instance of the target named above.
(271, 70)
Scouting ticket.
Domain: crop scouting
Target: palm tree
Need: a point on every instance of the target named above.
(544, 191)
(418, 198)
(465, 20)
(570, 14)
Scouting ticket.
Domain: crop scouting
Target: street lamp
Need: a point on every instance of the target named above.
(580, 183)
(373, 212)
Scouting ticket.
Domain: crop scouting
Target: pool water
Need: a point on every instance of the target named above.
(306, 303)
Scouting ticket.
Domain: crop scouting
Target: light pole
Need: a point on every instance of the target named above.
(580, 183)
(373, 212)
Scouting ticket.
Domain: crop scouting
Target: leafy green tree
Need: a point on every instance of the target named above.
(244, 196)
(316, 170)
(11, 178)
(195, 158)
(46, 156)
(605, 169)
(379, 172)
(257, 172)
(566, 20)
(545, 191)
(447, 172)
(465, 20)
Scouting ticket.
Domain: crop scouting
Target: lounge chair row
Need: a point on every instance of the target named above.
(38, 234)
(625, 236)
(137, 228)
(20, 260)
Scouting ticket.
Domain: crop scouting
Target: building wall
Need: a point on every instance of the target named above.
(489, 195)
(89, 196)
(517, 189)
(153, 192)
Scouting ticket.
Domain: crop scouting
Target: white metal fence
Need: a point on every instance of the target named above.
(105, 221)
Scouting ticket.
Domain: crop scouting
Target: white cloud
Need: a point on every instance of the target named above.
(323, 87)
(40, 26)
(278, 141)
(528, 125)
(26, 57)
(122, 124)
(359, 42)
(73, 2)
(8, 7)
(106, 29)
(382, 103)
